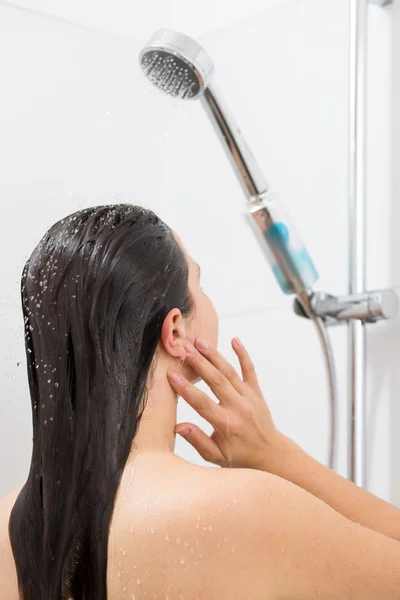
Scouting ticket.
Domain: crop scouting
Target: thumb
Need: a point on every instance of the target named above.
(204, 445)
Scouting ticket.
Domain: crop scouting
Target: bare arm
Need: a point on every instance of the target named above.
(245, 436)
(358, 505)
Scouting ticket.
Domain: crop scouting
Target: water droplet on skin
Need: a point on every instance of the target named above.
(138, 581)
(232, 549)
(166, 537)
(119, 574)
(178, 541)
(182, 561)
(210, 528)
(124, 552)
(152, 530)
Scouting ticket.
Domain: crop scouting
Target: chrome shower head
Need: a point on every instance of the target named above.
(179, 66)
(176, 64)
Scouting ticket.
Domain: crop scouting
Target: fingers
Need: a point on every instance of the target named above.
(220, 363)
(197, 399)
(246, 364)
(213, 377)
(204, 445)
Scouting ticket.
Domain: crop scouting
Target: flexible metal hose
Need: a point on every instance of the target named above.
(331, 372)
(323, 335)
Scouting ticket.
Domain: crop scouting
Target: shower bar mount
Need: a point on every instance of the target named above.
(368, 307)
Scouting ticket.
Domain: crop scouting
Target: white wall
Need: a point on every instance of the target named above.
(78, 129)
(138, 20)
(75, 131)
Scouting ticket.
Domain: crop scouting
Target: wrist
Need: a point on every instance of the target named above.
(279, 456)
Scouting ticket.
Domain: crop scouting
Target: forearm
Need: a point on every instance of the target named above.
(356, 504)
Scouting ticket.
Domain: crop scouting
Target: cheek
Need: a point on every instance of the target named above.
(205, 322)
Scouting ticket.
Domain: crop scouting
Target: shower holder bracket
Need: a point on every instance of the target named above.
(368, 307)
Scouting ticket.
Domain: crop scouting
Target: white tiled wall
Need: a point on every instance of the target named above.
(77, 129)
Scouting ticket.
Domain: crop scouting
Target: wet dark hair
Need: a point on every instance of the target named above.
(95, 293)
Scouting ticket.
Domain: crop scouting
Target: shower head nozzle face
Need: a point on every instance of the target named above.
(176, 64)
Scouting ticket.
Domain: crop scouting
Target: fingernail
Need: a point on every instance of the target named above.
(189, 349)
(185, 431)
(237, 343)
(175, 378)
(202, 344)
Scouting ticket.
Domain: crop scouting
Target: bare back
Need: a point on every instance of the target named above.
(175, 534)
(182, 532)
(178, 532)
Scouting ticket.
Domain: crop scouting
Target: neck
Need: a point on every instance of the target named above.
(156, 429)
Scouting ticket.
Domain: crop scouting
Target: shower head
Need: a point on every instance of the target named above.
(179, 66)
(176, 64)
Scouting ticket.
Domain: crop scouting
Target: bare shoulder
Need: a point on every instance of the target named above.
(207, 526)
(295, 545)
(302, 547)
(247, 534)
(8, 576)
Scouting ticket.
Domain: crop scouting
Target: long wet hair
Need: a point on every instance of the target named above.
(95, 293)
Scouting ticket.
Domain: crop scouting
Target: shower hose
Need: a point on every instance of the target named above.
(304, 300)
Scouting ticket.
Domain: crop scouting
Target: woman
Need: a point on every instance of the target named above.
(113, 313)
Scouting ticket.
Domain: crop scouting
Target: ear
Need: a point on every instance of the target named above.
(173, 334)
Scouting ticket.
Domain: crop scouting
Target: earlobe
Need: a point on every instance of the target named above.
(173, 334)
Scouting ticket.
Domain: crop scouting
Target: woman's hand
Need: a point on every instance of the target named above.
(244, 433)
